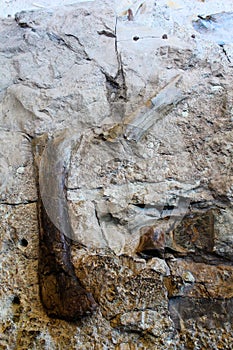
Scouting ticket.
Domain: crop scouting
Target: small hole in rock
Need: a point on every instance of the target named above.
(24, 242)
(16, 300)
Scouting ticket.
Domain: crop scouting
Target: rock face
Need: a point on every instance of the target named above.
(145, 99)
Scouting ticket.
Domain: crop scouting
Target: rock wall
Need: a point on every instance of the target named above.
(145, 99)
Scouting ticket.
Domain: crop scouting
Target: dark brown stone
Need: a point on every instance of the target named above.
(152, 243)
(61, 292)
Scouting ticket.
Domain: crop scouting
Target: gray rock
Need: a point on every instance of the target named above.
(146, 105)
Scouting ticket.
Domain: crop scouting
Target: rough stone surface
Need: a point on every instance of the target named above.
(148, 104)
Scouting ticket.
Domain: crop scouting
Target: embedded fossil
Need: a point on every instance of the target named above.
(61, 292)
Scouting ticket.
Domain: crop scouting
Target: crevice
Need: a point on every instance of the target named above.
(120, 74)
(168, 207)
(99, 223)
(56, 38)
(75, 37)
(201, 204)
(21, 23)
(27, 136)
(109, 29)
(18, 204)
(139, 205)
(116, 90)
(61, 41)
(225, 53)
(109, 34)
(199, 256)
(115, 32)
(112, 82)
(97, 217)
(82, 47)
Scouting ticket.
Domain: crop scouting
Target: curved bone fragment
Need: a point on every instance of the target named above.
(61, 292)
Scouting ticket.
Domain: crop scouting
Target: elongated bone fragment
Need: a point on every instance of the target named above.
(61, 292)
(137, 124)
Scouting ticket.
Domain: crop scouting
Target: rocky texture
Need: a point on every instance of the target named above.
(147, 103)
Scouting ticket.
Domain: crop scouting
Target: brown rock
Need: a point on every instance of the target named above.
(152, 242)
(201, 280)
